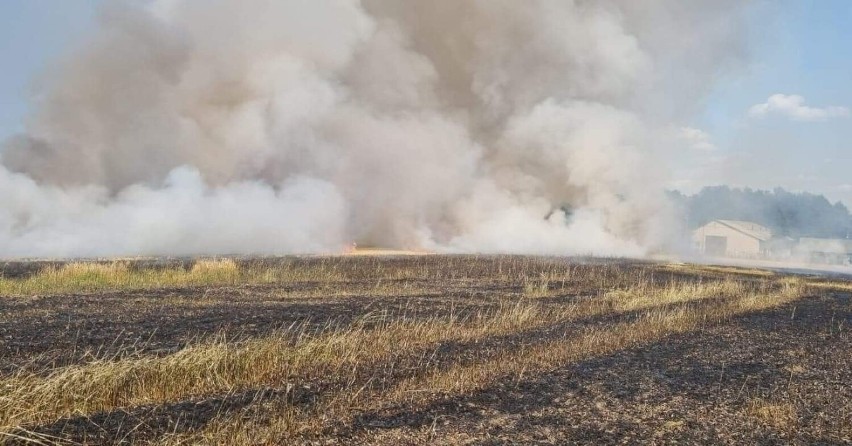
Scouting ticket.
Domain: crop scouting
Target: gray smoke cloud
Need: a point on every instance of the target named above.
(280, 126)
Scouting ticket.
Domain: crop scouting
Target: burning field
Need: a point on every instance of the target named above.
(496, 128)
(421, 350)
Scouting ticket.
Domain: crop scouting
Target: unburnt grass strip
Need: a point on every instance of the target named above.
(81, 277)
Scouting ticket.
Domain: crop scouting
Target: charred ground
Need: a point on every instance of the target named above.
(431, 349)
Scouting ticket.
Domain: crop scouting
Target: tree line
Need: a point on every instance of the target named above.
(787, 214)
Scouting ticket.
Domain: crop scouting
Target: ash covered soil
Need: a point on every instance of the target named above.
(782, 375)
(706, 387)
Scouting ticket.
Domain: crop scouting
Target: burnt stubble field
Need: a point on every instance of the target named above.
(421, 350)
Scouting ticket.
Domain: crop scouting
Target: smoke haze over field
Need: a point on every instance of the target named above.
(260, 126)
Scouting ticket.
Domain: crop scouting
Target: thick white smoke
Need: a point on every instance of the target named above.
(277, 126)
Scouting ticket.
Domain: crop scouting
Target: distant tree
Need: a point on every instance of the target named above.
(786, 213)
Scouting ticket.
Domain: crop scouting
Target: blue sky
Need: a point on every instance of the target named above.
(798, 47)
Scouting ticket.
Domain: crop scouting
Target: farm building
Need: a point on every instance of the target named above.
(729, 238)
(824, 250)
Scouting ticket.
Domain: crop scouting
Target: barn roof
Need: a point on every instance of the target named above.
(748, 228)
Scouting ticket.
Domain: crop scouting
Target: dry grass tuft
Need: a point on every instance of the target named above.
(87, 277)
(725, 270)
(780, 415)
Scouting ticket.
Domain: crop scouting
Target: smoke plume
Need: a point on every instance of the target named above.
(280, 126)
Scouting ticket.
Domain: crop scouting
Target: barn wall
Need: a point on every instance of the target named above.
(739, 244)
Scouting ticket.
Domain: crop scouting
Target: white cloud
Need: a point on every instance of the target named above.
(698, 139)
(793, 106)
